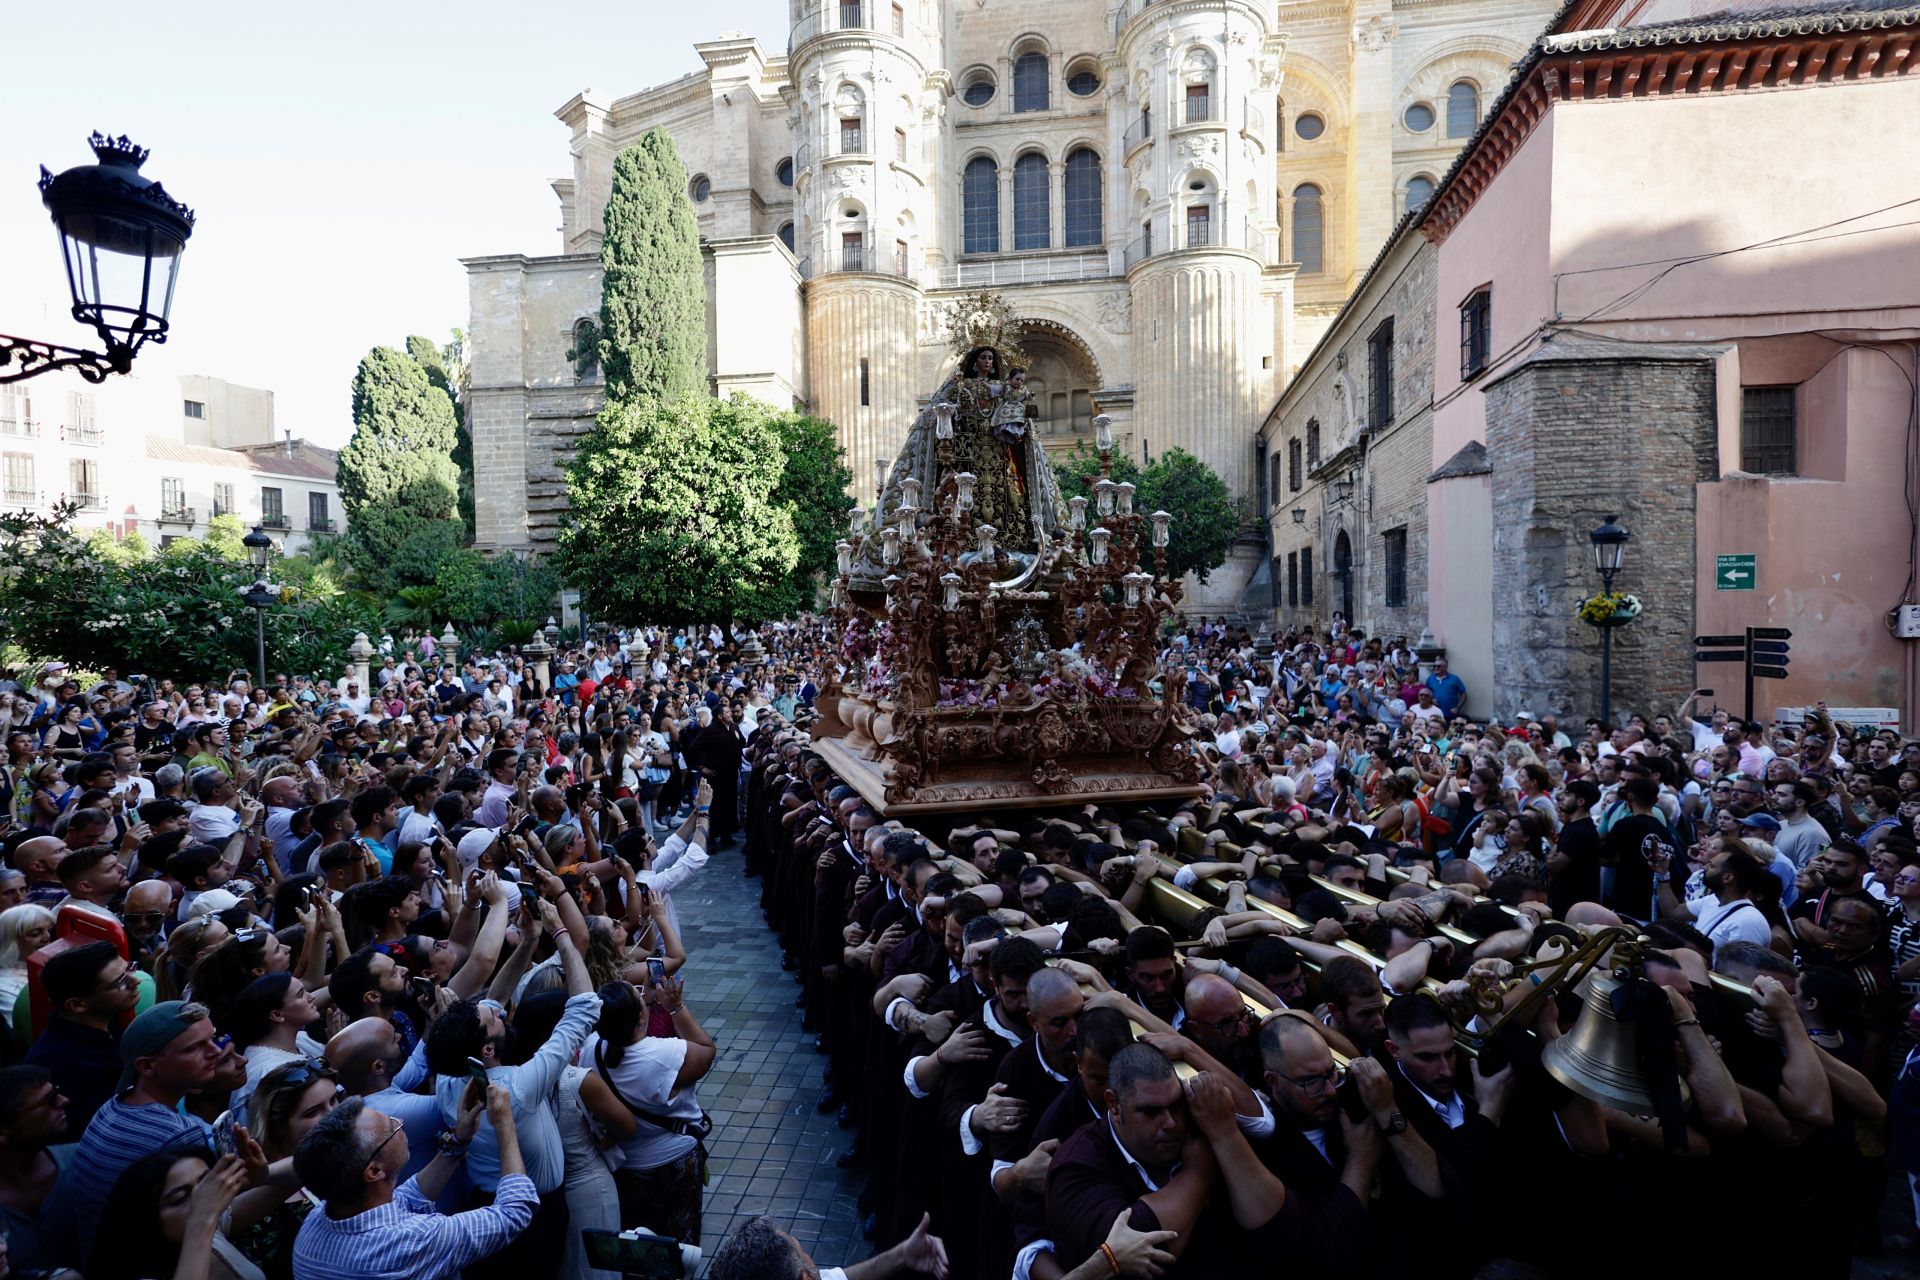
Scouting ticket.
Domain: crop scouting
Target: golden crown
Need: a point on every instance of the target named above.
(983, 319)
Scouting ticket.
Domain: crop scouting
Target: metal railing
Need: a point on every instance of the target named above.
(26, 497)
(1141, 130)
(832, 17)
(26, 428)
(1207, 235)
(84, 435)
(862, 262)
(278, 521)
(1138, 252)
(88, 501)
(1034, 270)
(322, 525)
(178, 515)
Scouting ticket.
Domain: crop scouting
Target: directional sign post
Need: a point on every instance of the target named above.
(1734, 572)
(1766, 653)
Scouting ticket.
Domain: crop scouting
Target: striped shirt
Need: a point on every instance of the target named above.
(408, 1239)
(119, 1134)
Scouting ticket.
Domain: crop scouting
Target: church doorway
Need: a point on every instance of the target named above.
(1343, 571)
(1062, 377)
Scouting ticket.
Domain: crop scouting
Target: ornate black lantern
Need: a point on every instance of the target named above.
(121, 237)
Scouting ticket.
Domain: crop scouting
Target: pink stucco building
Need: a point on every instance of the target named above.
(1682, 257)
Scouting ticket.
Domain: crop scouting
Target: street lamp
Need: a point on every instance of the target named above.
(121, 236)
(1609, 552)
(261, 594)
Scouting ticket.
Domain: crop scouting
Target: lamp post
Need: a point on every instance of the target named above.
(121, 236)
(1609, 552)
(260, 594)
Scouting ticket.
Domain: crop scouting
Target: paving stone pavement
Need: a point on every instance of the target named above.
(770, 1151)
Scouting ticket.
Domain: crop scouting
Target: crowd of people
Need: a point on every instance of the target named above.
(381, 977)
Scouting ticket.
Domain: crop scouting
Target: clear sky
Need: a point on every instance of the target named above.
(341, 159)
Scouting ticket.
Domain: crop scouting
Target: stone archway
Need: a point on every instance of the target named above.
(1063, 374)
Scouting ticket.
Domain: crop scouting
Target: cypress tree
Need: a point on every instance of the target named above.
(653, 304)
(398, 480)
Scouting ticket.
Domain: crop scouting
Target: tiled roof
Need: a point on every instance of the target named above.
(274, 463)
(1745, 24)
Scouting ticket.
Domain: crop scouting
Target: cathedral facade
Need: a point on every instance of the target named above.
(1175, 196)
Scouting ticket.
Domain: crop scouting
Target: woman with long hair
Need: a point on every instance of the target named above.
(222, 972)
(288, 1102)
(23, 930)
(664, 1161)
(163, 1219)
(185, 945)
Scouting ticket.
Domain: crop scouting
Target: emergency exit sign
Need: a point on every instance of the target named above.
(1733, 573)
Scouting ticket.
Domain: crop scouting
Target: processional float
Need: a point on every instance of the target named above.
(996, 668)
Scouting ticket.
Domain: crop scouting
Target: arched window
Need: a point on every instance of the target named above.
(786, 235)
(1313, 443)
(586, 349)
(1030, 82)
(1419, 191)
(1083, 199)
(1307, 248)
(1032, 219)
(980, 206)
(1463, 109)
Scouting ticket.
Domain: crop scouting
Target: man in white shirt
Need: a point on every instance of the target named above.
(1725, 913)
(213, 820)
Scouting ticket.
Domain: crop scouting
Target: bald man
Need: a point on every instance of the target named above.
(1218, 1021)
(283, 797)
(372, 1062)
(40, 859)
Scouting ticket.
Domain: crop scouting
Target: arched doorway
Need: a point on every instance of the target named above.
(1062, 377)
(1343, 570)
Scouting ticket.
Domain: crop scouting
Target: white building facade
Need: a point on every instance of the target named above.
(1175, 197)
(162, 456)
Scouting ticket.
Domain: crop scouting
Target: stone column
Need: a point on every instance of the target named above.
(450, 646)
(1057, 204)
(539, 653)
(360, 653)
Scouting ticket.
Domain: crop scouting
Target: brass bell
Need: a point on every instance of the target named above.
(1602, 1058)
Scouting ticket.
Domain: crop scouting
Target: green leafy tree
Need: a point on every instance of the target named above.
(653, 301)
(398, 480)
(224, 534)
(676, 521)
(1206, 517)
(813, 490)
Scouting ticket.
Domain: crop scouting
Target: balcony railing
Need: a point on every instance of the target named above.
(1026, 270)
(1141, 130)
(320, 525)
(88, 501)
(1207, 235)
(22, 427)
(177, 515)
(869, 263)
(83, 435)
(21, 497)
(832, 17)
(277, 520)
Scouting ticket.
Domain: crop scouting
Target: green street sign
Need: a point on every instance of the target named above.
(1734, 573)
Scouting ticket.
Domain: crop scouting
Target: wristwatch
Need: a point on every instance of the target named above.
(1395, 1124)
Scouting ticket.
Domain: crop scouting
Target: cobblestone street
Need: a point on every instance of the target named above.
(771, 1152)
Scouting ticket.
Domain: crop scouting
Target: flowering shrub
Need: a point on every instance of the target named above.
(1598, 610)
(174, 614)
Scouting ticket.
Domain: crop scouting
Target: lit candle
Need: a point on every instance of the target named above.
(1162, 527)
(1123, 497)
(844, 550)
(943, 421)
(908, 518)
(1103, 432)
(857, 521)
(1103, 490)
(1098, 551)
(1132, 588)
(909, 492)
(985, 533)
(839, 593)
(880, 468)
(890, 545)
(963, 489)
(950, 591)
(1076, 513)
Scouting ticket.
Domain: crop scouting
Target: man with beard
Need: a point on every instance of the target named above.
(480, 1031)
(1218, 1021)
(33, 1117)
(1839, 874)
(371, 984)
(1727, 913)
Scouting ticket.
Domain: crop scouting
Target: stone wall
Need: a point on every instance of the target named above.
(1575, 434)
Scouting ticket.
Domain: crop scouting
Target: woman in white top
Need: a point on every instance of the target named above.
(662, 1164)
(23, 930)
